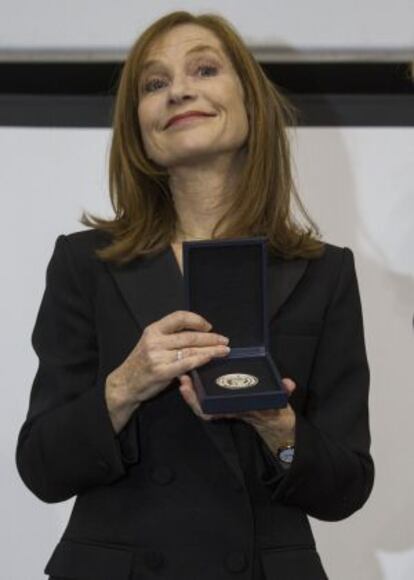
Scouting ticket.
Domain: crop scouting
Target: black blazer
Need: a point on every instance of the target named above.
(174, 497)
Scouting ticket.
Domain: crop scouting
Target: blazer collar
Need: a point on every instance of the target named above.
(152, 287)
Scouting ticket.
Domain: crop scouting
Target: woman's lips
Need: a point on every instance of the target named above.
(186, 119)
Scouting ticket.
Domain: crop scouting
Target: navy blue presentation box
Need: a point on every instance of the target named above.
(226, 283)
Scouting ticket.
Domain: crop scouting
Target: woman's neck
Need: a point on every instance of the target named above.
(201, 194)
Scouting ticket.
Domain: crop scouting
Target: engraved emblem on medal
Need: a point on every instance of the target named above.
(237, 381)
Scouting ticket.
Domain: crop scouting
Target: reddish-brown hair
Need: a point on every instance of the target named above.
(261, 204)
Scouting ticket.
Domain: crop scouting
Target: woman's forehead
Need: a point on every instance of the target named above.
(182, 39)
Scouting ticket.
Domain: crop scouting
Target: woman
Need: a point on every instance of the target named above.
(199, 151)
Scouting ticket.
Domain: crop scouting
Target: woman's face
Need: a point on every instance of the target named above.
(186, 70)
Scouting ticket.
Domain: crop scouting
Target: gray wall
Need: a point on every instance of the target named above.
(297, 24)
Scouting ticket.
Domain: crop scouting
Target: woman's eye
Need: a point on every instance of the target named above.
(153, 85)
(207, 70)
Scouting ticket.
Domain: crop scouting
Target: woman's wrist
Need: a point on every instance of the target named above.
(119, 404)
(275, 435)
(278, 441)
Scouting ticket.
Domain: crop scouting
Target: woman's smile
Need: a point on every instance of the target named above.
(187, 119)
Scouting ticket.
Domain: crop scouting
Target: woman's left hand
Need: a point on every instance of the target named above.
(275, 426)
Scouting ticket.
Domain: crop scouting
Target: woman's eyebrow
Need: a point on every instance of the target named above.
(199, 48)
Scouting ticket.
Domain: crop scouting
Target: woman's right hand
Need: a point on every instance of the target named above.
(153, 363)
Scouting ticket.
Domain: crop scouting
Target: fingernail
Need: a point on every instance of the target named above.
(223, 340)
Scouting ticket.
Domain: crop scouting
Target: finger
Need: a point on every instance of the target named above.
(187, 385)
(220, 350)
(173, 366)
(187, 338)
(180, 320)
(177, 367)
(289, 385)
(190, 396)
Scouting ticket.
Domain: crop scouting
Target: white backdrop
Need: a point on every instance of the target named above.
(297, 24)
(358, 184)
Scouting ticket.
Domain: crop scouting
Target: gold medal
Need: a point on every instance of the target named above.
(237, 381)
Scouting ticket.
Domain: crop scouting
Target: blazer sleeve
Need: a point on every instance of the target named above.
(332, 473)
(67, 443)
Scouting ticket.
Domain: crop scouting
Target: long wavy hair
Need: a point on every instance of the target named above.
(265, 201)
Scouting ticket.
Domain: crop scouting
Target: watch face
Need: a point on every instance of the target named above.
(287, 455)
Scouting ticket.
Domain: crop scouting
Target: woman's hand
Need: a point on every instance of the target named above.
(169, 347)
(275, 426)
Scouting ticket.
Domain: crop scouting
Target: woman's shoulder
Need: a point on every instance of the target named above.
(79, 255)
(331, 253)
(329, 256)
(335, 263)
(336, 253)
(87, 241)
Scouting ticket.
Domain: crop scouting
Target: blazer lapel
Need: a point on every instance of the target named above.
(153, 287)
(282, 276)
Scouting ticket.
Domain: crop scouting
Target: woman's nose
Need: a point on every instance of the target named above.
(180, 90)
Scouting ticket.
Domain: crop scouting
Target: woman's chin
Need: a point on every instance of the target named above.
(194, 158)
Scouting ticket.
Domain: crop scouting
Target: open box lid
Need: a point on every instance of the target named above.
(226, 283)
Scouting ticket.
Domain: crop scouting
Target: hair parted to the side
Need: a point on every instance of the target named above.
(262, 204)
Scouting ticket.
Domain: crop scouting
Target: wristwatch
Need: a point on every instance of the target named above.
(286, 454)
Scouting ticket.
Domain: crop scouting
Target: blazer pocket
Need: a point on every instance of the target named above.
(292, 563)
(79, 561)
